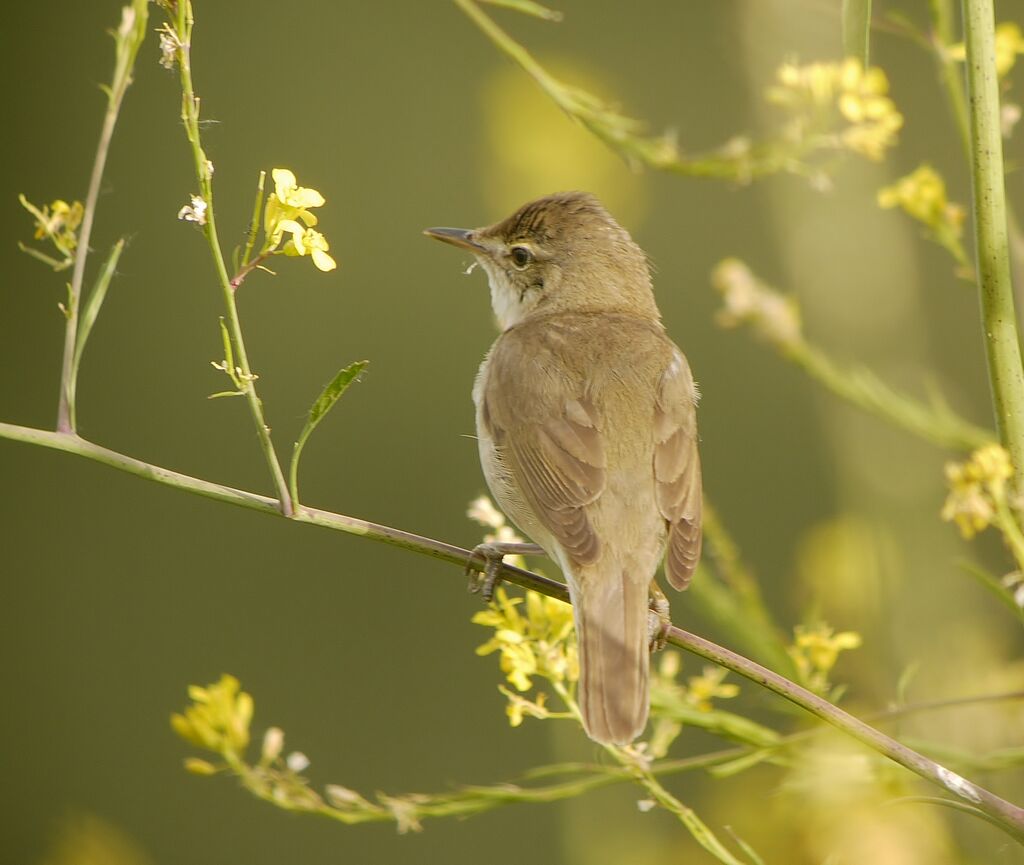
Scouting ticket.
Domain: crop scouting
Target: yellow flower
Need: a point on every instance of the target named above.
(289, 201)
(977, 488)
(922, 194)
(519, 707)
(309, 242)
(537, 644)
(702, 689)
(816, 649)
(839, 105)
(288, 211)
(218, 718)
(58, 221)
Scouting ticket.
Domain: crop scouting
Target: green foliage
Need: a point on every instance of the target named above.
(330, 395)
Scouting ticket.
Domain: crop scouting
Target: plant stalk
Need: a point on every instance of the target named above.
(1002, 342)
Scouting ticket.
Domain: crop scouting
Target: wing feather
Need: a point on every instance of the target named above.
(677, 469)
(559, 463)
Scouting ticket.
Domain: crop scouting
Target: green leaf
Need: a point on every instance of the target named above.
(749, 851)
(224, 393)
(741, 764)
(323, 404)
(528, 7)
(996, 586)
(857, 30)
(332, 393)
(90, 312)
(229, 356)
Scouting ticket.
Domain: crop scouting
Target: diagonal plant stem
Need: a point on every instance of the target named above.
(1002, 341)
(1009, 816)
(183, 25)
(128, 37)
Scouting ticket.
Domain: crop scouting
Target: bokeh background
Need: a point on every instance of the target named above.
(116, 594)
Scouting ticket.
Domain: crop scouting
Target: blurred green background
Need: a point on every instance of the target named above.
(117, 594)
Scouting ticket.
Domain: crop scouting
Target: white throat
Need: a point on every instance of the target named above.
(505, 301)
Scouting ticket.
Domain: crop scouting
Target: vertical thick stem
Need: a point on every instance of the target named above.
(1002, 343)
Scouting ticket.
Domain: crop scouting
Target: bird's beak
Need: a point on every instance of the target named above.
(461, 237)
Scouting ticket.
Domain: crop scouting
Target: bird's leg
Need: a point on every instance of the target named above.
(658, 618)
(493, 554)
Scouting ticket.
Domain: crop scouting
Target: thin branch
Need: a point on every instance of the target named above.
(1008, 815)
(128, 38)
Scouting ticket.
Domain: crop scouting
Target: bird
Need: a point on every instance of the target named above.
(587, 431)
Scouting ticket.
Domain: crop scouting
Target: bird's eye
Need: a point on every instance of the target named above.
(521, 256)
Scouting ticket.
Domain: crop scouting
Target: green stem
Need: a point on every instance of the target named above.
(857, 30)
(190, 116)
(1002, 344)
(686, 815)
(935, 423)
(1009, 816)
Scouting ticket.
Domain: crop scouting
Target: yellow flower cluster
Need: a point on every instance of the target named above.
(708, 686)
(58, 222)
(922, 194)
(698, 691)
(747, 300)
(816, 649)
(219, 717)
(288, 211)
(1009, 43)
(867, 121)
(977, 489)
(541, 643)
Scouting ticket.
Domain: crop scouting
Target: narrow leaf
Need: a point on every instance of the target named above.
(91, 310)
(528, 7)
(740, 764)
(323, 404)
(332, 393)
(857, 30)
(224, 393)
(996, 586)
(229, 356)
(749, 851)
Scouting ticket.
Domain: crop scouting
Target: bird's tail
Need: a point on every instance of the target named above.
(611, 624)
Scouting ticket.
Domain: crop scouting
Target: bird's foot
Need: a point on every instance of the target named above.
(486, 579)
(658, 619)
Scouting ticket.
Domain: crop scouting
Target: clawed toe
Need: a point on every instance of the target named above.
(658, 620)
(486, 580)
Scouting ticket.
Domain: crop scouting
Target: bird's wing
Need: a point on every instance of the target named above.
(677, 469)
(556, 456)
